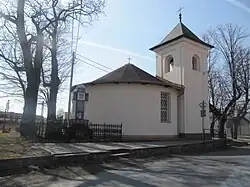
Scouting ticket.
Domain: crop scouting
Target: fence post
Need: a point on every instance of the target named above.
(104, 131)
(121, 133)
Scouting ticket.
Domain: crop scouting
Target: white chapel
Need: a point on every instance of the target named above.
(155, 107)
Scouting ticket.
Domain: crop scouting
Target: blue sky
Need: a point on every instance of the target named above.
(136, 25)
(130, 27)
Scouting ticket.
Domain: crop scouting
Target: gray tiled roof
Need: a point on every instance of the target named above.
(180, 31)
(130, 73)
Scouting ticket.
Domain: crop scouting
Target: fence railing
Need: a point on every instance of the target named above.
(78, 130)
(104, 131)
(209, 134)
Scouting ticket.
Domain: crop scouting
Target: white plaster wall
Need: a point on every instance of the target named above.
(136, 106)
(162, 53)
(175, 49)
(196, 84)
(181, 114)
(196, 87)
(158, 65)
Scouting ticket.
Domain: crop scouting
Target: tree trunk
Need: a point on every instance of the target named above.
(222, 122)
(32, 69)
(212, 129)
(55, 81)
(28, 123)
(232, 131)
(235, 131)
(52, 103)
(236, 124)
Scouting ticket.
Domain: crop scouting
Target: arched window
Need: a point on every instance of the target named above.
(195, 63)
(169, 64)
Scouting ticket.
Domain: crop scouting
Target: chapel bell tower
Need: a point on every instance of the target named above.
(181, 57)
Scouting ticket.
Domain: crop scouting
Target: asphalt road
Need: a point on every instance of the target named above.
(226, 168)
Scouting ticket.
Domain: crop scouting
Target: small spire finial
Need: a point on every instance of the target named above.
(129, 59)
(180, 14)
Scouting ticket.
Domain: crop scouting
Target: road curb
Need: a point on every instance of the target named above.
(20, 165)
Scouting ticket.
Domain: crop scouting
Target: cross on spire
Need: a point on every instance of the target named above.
(129, 59)
(180, 14)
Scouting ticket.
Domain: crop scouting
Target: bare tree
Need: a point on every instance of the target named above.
(226, 87)
(12, 72)
(244, 83)
(213, 80)
(31, 21)
(31, 44)
(63, 60)
(82, 11)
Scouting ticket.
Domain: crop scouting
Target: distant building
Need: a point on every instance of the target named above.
(13, 116)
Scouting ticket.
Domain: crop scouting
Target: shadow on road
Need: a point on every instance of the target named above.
(187, 171)
(232, 151)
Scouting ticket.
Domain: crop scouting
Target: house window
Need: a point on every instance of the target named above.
(169, 64)
(195, 63)
(165, 107)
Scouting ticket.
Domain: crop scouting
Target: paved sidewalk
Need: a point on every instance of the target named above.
(67, 154)
(20, 149)
(64, 148)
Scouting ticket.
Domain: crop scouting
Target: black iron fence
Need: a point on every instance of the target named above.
(211, 134)
(78, 130)
(108, 132)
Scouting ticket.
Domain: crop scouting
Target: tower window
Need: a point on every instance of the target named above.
(195, 63)
(169, 64)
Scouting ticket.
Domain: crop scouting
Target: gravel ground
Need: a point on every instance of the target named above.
(226, 168)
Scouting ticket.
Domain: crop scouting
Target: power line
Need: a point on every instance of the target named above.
(92, 65)
(95, 62)
(65, 61)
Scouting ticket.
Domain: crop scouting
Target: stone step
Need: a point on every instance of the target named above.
(70, 154)
(120, 155)
(117, 151)
(244, 137)
(238, 142)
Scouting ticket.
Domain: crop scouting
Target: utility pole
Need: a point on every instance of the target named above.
(203, 106)
(70, 85)
(42, 112)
